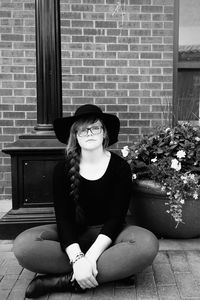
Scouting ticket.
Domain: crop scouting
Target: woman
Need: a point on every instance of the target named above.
(90, 243)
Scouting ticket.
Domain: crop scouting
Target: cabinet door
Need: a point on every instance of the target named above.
(38, 182)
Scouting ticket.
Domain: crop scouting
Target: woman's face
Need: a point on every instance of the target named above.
(90, 137)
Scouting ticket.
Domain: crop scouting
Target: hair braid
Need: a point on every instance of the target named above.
(74, 161)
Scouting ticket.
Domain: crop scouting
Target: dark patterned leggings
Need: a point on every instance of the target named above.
(38, 250)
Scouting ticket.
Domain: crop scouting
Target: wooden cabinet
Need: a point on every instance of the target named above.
(32, 162)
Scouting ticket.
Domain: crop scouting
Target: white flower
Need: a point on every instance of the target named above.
(134, 176)
(181, 154)
(154, 159)
(176, 165)
(182, 201)
(195, 195)
(125, 151)
(197, 138)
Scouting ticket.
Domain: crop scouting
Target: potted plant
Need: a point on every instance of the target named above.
(166, 181)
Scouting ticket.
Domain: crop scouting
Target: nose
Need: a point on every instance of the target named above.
(89, 132)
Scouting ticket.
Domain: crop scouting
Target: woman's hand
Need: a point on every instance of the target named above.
(84, 273)
(93, 264)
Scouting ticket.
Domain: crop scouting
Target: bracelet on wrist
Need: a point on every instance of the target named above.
(77, 257)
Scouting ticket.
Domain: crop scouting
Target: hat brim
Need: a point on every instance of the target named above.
(62, 126)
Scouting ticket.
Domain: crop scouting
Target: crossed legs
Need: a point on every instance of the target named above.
(38, 250)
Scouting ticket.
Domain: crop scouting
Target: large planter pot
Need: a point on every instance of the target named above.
(148, 209)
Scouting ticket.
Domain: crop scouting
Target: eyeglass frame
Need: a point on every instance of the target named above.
(87, 129)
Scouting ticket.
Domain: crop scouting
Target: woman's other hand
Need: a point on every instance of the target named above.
(84, 271)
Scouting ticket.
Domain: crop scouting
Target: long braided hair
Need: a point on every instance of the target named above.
(73, 155)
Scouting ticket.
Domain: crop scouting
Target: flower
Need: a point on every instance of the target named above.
(125, 151)
(181, 154)
(170, 157)
(175, 164)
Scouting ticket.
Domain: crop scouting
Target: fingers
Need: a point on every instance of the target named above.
(73, 277)
(88, 283)
(95, 272)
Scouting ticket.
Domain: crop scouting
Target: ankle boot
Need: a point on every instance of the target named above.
(44, 284)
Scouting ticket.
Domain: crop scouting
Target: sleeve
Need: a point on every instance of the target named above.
(64, 207)
(120, 202)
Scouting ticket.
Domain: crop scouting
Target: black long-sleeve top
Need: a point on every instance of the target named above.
(104, 201)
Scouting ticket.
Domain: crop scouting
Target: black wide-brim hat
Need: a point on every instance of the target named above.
(62, 126)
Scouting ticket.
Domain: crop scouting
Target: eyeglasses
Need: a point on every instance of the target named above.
(93, 130)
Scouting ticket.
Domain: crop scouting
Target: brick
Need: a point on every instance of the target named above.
(81, 54)
(162, 17)
(146, 288)
(187, 285)
(94, 93)
(5, 14)
(13, 115)
(116, 93)
(139, 123)
(12, 69)
(117, 78)
(168, 292)
(13, 100)
(82, 70)
(82, 100)
(116, 63)
(25, 92)
(93, 16)
(105, 70)
(6, 107)
(70, 15)
(128, 86)
(5, 45)
(5, 92)
(117, 32)
(79, 7)
(163, 274)
(105, 85)
(139, 63)
(129, 116)
(116, 108)
(25, 123)
(152, 25)
(127, 71)
(151, 40)
(128, 55)
(82, 39)
(139, 78)
(105, 55)
(150, 70)
(105, 24)
(5, 76)
(105, 39)
(125, 293)
(150, 55)
(127, 100)
(82, 85)
(105, 101)
(31, 115)
(140, 48)
(95, 62)
(139, 108)
(12, 84)
(94, 78)
(25, 107)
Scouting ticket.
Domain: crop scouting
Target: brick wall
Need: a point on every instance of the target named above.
(118, 57)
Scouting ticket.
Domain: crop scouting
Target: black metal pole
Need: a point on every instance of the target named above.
(48, 63)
